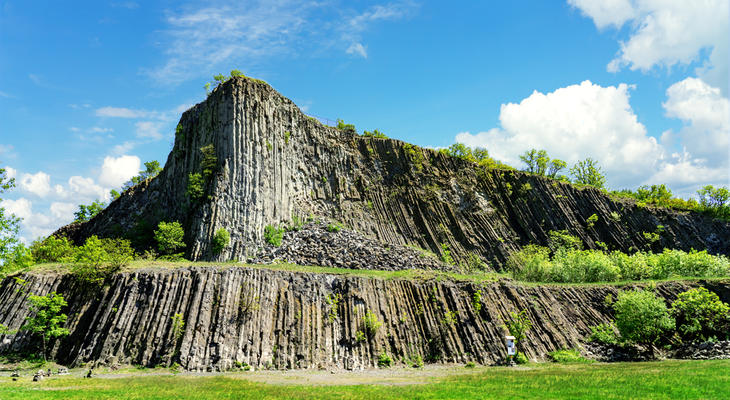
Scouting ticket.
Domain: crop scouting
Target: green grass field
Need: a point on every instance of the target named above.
(650, 380)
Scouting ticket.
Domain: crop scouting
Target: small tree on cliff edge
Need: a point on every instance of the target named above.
(47, 320)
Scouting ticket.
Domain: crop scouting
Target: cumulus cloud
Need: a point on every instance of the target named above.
(588, 120)
(38, 184)
(11, 172)
(57, 203)
(117, 170)
(572, 123)
(667, 33)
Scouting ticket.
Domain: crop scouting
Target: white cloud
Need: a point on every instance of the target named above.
(38, 184)
(706, 115)
(606, 12)
(35, 225)
(11, 172)
(122, 112)
(357, 49)
(149, 129)
(97, 129)
(589, 120)
(6, 95)
(211, 39)
(117, 170)
(123, 148)
(573, 123)
(667, 33)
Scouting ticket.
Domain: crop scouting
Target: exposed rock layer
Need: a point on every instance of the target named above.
(301, 320)
(274, 162)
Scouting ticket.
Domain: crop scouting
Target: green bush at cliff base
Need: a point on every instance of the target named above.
(273, 235)
(701, 316)
(221, 240)
(567, 356)
(537, 264)
(170, 238)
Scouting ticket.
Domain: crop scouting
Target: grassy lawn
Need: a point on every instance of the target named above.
(650, 380)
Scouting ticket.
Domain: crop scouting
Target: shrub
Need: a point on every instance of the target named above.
(348, 128)
(371, 324)
(563, 239)
(374, 134)
(567, 356)
(359, 336)
(416, 361)
(641, 316)
(87, 212)
(520, 358)
(209, 163)
(384, 360)
(604, 334)
(700, 315)
(538, 162)
(170, 237)
(273, 235)
(221, 240)
(532, 263)
(194, 190)
(333, 227)
(52, 249)
(518, 324)
(446, 254)
(470, 364)
(94, 264)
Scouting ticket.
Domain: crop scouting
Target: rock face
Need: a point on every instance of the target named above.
(210, 318)
(272, 163)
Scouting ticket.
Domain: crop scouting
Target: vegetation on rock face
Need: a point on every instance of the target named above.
(194, 190)
(221, 240)
(99, 259)
(374, 134)
(566, 262)
(47, 320)
(567, 356)
(87, 212)
(152, 169)
(347, 128)
(477, 155)
(517, 325)
(273, 235)
(170, 238)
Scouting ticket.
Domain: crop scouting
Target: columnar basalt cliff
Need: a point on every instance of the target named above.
(283, 319)
(274, 163)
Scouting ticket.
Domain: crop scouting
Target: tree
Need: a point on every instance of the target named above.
(701, 315)
(87, 212)
(47, 320)
(587, 172)
(170, 237)
(347, 128)
(152, 169)
(555, 166)
(641, 317)
(221, 240)
(518, 324)
(9, 226)
(712, 197)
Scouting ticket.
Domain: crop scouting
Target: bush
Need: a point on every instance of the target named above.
(587, 172)
(375, 134)
(567, 356)
(334, 227)
(641, 316)
(194, 190)
(520, 358)
(170, 237)
(534, 263)
(347, 128)
(273, 235)
(52, 249)
(221, 239)
(371, 324)
(384, 360)
(470, 364)
(700, 315)
(99, 259)
(604, 334)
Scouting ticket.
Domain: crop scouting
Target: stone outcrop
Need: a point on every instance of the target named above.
(315, 244)
(208, 318)
(273, 163)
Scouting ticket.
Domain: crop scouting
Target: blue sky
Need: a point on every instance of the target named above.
(89, 90)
